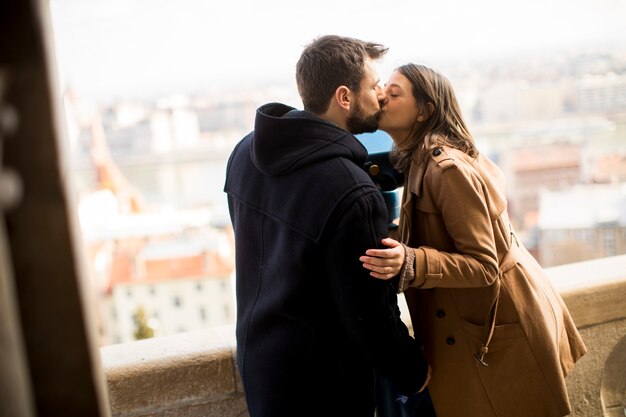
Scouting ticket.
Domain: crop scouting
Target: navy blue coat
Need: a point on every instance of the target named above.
(312, 326)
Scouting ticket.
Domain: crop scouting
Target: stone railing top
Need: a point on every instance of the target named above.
(594, 291)
(165, 348)
(186, 374)
(580, 276)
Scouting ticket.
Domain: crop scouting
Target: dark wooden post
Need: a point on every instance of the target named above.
(57, 331)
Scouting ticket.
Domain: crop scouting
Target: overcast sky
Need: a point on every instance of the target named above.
(134, 47)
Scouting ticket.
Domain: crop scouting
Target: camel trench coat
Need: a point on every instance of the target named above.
(463, 257)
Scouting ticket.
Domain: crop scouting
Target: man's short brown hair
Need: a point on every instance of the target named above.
(329, 62)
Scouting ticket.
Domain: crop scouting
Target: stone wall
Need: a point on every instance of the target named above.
(595, 293)
(190, 374)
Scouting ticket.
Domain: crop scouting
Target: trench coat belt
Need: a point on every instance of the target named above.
(509, 260)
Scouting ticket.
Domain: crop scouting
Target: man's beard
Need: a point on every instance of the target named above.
(359, 122)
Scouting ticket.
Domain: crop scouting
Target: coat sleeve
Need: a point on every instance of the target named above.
(461, 198)
(368, 307)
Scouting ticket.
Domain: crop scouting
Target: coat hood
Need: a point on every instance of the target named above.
(286, 139)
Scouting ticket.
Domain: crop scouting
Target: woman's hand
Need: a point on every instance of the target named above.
(384, 263)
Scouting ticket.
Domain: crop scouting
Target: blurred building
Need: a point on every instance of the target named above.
(602, 93)
(173, 267)
(531, 169)
(511, 100)
(582, 223)
(155, 269)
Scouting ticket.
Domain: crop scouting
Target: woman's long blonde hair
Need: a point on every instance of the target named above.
(443, 125)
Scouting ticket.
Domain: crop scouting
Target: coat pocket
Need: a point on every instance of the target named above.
(503, 335)
(513, 380)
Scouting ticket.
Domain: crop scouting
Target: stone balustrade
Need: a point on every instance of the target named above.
(194, 374)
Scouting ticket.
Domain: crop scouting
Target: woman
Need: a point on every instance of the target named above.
(498, 336)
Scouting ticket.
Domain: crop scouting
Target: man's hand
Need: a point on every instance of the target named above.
(426, 381)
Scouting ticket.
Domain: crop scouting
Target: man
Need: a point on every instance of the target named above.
(313, 327)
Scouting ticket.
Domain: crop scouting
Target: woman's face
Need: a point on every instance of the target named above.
(400, 112)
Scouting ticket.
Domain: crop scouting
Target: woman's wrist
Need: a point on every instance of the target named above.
(407, 273)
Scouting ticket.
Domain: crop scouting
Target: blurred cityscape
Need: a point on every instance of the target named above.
(149, 177)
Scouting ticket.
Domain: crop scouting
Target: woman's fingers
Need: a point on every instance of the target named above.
(382, 276)
(384, 263)
(372, 260)
(381, 262)
(381, 253)
(395, 249)
(381, 273)
(392, 243)
(378, 269)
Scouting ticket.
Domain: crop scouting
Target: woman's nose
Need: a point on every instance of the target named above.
(380, 93)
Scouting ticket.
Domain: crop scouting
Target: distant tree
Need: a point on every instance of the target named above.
(142, 329)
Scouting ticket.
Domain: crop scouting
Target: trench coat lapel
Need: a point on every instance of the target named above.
(412, 189)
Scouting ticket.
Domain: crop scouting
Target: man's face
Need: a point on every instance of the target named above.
(366, 112)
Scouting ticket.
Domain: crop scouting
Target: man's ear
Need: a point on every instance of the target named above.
(343, 97)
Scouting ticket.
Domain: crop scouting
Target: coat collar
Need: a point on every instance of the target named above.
(417, 169)
(413, 185)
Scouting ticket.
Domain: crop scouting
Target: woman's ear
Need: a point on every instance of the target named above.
(430, 110)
